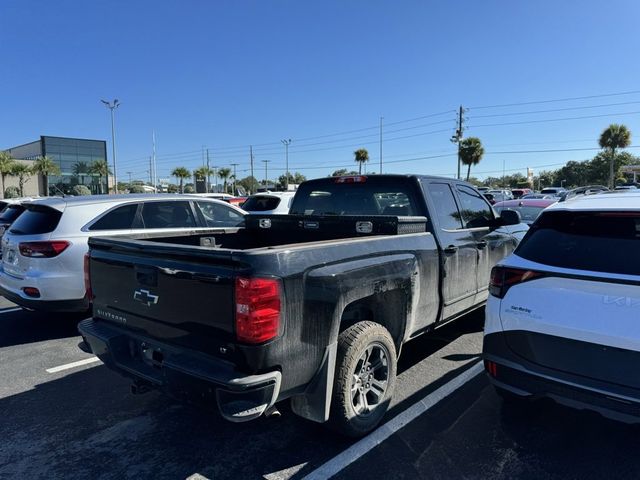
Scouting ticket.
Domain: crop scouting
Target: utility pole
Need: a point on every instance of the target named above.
(251, 161)
(208, 185)
(151, 171)
(266, 173)
(235, 179)
(215, 178)
(286, 156)
(381, 145)
(112, 106)
(155, 165)
(457, 137)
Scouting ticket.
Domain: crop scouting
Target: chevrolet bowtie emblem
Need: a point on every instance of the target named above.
(146, 297)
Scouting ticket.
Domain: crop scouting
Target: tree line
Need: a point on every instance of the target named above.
(603, 169)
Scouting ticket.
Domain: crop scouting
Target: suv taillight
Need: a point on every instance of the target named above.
(503, 278)
(258, 302)
(87, 277)
(43, 249)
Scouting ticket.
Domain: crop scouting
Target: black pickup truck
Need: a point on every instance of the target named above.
(313, 306)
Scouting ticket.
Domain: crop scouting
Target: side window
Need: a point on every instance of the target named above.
(445, 205)
(120, 218)
(167, 215)
(216, 215)
(475, 210)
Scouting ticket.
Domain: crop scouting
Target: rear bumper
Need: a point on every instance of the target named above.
(81, 305)
(183, 374)
(527, 379)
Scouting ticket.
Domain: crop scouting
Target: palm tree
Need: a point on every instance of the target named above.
(362, 156)
(6, 164)
(22, 171)
(613, 137)
(471, 152)
(80, 169)
(101, 169)
(224, 174)
(45, 166)
(181, 174)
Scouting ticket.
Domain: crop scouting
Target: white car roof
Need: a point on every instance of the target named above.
(60, 203)
(274, 194)
(625, 200)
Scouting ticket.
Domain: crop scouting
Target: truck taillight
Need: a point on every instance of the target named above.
(43, 249)
(503, 278)
(352, 179)
(258, 302)
(87, 277)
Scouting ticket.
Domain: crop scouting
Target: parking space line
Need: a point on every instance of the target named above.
(11, 309)
(375, 438)
(79, 363)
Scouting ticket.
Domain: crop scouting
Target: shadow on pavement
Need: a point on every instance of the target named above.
(87, 425)
(21, 326)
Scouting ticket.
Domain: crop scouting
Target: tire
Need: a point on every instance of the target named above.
(365, 378)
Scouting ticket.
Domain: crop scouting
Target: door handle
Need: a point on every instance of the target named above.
(451, 249)
(482, 244)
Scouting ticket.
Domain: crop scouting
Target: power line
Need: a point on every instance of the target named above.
(553, 110)
(566, 99)
(554, 119)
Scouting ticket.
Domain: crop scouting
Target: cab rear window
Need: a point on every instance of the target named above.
(594, 241)
(261, 204)
(36, 220)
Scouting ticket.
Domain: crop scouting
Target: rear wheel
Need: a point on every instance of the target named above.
(365, 378)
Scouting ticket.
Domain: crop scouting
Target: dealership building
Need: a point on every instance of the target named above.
(74, 156)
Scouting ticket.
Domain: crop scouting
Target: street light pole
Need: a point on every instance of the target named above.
(235, 179)
(112, 106)
(266, 174)
(286, 156)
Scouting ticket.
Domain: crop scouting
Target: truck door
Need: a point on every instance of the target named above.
(492, 244)
(459, 250)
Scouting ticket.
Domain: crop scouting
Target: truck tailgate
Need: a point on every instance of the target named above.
(164, 294)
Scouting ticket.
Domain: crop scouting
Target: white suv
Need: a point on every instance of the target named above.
(563, 316)
(43, 250)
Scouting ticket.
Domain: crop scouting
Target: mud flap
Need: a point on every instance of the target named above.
(315, 403)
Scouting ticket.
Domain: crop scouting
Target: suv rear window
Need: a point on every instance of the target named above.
(10, 213)
(595, 241)
(36, 220)
(261, 204)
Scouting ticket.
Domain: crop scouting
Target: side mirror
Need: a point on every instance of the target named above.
(510, 217)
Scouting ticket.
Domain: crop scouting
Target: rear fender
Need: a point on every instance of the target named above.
(330, 290)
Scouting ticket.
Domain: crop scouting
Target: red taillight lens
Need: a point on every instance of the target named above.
(31, 292)
(491, 368)
(503, 278)
(87, 277)
(258, 302)
(43, 249)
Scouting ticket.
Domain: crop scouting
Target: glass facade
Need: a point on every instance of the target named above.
(75, 157)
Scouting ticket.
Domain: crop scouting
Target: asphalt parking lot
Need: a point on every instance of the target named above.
(69, 420)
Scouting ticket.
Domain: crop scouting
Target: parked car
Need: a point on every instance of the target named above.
(539, 196)
(520, 192)
(626, 187)
(529, 210)
(588, 190)
(562, 319)
(269, 203)
(5, 202)
(494, 198)
(313, 306)
(483, 189)
(43, 250)
(507, 195)
(553, 191)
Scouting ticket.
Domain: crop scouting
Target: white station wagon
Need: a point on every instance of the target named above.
(43, 250)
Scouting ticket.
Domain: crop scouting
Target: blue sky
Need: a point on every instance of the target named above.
(227, 74)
